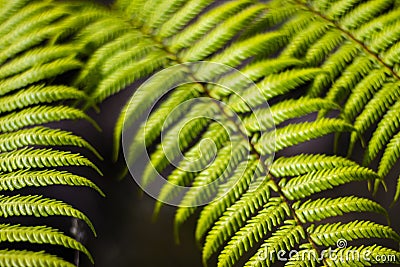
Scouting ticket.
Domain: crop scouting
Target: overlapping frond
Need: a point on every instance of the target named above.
(339, 55)
(308, 48)
(34, 91)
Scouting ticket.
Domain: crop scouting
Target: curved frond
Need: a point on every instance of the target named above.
(40, 235)
(40, 207)
(42, 136)
(24, 178)
(21, 258)
(41, 115)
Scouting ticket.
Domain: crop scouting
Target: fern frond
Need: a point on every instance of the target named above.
(186, 130)
(319, 47)
(316, 210)
(42, 136)
(261, 44)
(39, 158)
(21, 258)
(149, 131)
(19, 16)
(123, 77)
(10, 9)
(245, 175)
(351, 76)
(392, 55)
(390, 156)
(384, 39)
(103, 53)
(385, 130)
(333, 67)
(362, 93)
(205, 184)
(299, 44)
(164, 12)
(294, 108)
(30, 40)
(297, 133)
(218, 36)
(41, 115)
(272, 86)
(285, 238)
(364, 13)
(101, 31)
(237, 82)
(35, 57)
(145, 96)
(340, 8)
(38, 73)
(313, 182)
(24, 178)
(196, 159)
(234, 217)
(181, 17)
(378, 105)
(211, 19)
(40, 235)
(304, 163)
(328, 234)
(37, 95)
(39, 207)
(35, 22)
(255, 229)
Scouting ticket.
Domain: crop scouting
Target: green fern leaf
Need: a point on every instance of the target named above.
(245, 175)
(255, 229)
(42, 136)
(285, 238)
(40, 235)
(208, 21)
(39, 207)
(205, 184)
(21, 258)
(382, 100)
(272, 86)
(294, 108)
(305, 163)
(197, 158)
(390, 156)
(149, 131)
(37, 95)
(323, 208)
(385, 130)
(20, 179)
(40, 115)
(181, 17)
(39, 158)
(328, 234)
(218, 36)
(38, 73)
(297, 133)
(35, 57)
(308, 184)
(234, 217)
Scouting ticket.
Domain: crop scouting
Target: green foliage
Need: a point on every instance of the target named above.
(34, 94)
(325, 53)
(303, 56)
